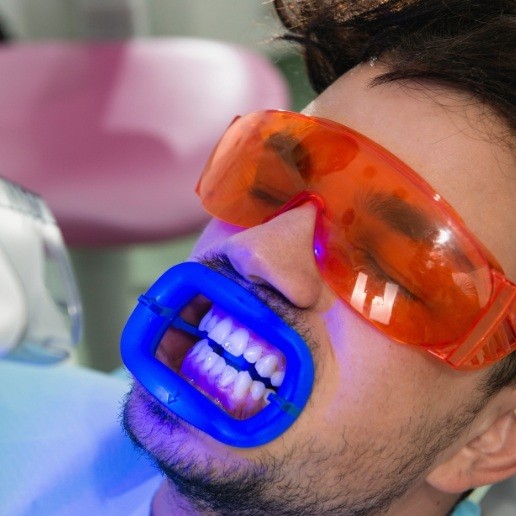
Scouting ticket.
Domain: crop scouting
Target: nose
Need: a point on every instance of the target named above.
(279, 253)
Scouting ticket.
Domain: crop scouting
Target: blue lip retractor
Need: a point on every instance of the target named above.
(160, 308)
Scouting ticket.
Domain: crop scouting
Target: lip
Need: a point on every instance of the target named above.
(228, 374)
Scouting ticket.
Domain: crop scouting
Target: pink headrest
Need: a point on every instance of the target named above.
(115, 135)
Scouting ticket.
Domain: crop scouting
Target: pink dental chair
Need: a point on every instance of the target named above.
(114, 136)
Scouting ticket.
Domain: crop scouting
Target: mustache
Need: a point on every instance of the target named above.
(265, 292)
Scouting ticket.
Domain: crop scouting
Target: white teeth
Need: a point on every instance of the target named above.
(257, 390)
(266, 365)
(218, 367)
(236, 342)
(211, 323)
(228, 375)
(220, 331)
(209, 361)
(195, 350)
(277, 378)
(242, 383)
(203, 348)
(253, 353)
(207, 317)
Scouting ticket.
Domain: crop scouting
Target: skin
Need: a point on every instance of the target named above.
(383, 418)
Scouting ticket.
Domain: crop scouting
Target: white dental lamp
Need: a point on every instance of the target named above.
(40, 309)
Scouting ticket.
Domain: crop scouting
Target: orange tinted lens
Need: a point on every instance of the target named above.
(385, 243)
(416, 289)
(254, 170)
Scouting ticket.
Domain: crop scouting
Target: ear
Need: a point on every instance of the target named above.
(488, 458)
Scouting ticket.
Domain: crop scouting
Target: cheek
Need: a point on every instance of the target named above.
(212, 238)
(370, 381)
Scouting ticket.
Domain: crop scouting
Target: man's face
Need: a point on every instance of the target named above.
(381, 414)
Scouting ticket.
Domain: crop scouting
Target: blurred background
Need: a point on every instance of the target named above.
(110, 277)
(251, 23)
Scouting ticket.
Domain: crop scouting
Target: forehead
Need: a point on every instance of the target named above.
(452, 142)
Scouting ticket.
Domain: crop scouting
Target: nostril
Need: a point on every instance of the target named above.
(279, 254)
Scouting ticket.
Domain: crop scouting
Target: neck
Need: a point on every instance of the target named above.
(425, 500)
(166, 501)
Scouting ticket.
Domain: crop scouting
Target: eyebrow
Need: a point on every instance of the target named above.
(399, 215)
(274, 197)
(407, 220)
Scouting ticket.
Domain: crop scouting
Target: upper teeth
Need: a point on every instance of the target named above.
(236, 342)
(221, 330)
(253, 353)
(266, 365)
(277, 378)
(208, 321)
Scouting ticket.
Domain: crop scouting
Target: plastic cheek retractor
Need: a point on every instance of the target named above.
(161, 308)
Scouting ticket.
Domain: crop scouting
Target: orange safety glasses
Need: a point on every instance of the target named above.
(384, 241)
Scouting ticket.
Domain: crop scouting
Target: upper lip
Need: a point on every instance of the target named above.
(292, 315)
(265, 292)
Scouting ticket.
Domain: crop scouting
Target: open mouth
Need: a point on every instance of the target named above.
(217, 356)
(226, 361)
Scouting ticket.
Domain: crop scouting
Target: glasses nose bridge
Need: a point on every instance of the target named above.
(298, 200)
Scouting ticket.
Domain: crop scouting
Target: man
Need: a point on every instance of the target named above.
(388, 428)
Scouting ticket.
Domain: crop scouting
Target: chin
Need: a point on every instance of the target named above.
(163, 435)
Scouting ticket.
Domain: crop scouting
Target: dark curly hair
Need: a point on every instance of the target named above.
(466, 45)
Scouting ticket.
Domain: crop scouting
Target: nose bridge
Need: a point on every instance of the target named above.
(279, 252)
